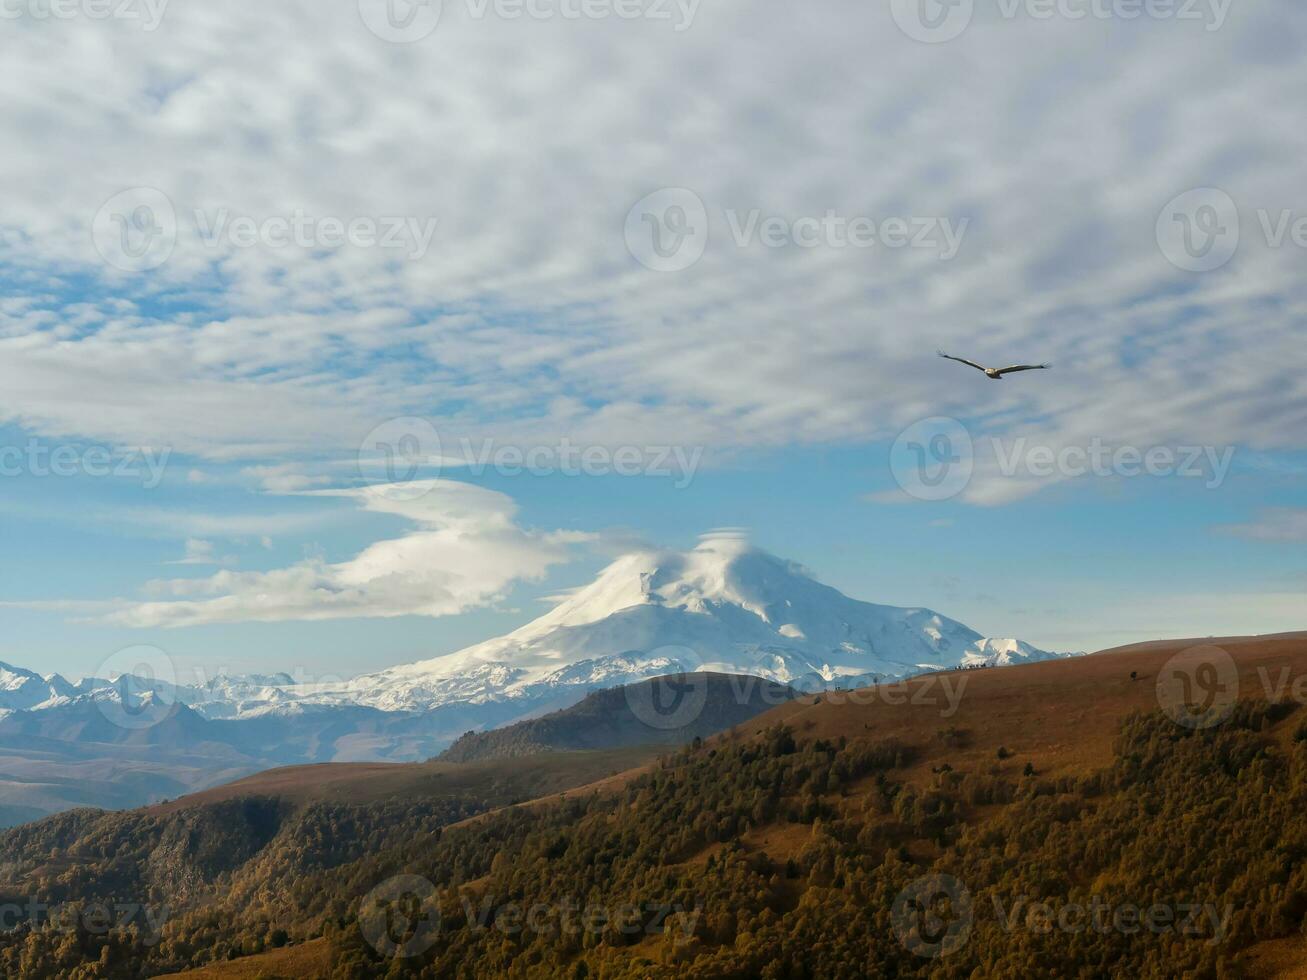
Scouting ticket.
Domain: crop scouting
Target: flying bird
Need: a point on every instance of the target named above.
(996, 374)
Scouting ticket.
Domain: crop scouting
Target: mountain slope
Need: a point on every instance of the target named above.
(785, 843)
(616, 718)
(723, 606)
(21, 689)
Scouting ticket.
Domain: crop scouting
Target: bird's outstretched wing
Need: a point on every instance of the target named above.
(1024, 367)
(963, 360)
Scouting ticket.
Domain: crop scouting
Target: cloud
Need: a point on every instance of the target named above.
(200, 552)
(528, 318)
(1278, 524)
(76, 607)
(284, 478)
(464, 551)
(163, 522)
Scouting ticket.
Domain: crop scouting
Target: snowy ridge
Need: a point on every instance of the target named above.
(723, 606)
(22, 690)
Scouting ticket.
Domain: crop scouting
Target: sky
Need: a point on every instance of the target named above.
(338, 336)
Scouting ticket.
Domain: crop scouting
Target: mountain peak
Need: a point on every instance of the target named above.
(724, 568)
(723, 605)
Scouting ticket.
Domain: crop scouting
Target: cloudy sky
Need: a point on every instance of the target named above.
(337, 335)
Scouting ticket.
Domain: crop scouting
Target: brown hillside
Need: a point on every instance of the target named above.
(1062, 715)
(366, 782)
(309, 961)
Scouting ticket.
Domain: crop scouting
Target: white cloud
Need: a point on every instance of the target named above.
(1061, 141)
(163, 522)
(1281, 524)
(200, 552)
(284, 478)
(464, 551)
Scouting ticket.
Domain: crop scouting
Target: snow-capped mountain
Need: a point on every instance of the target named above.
(990, 652)
(722, 606)
(22, 689)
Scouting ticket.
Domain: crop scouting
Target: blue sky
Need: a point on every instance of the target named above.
(740, 237)
(1087, 565)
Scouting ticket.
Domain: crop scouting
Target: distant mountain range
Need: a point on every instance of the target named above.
(722, 606)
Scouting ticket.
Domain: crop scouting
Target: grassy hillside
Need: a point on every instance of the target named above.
(506, 781)
(616, 717)
(311, 959)
(931, 829)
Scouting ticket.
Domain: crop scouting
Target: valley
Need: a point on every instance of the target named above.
(821, 808)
